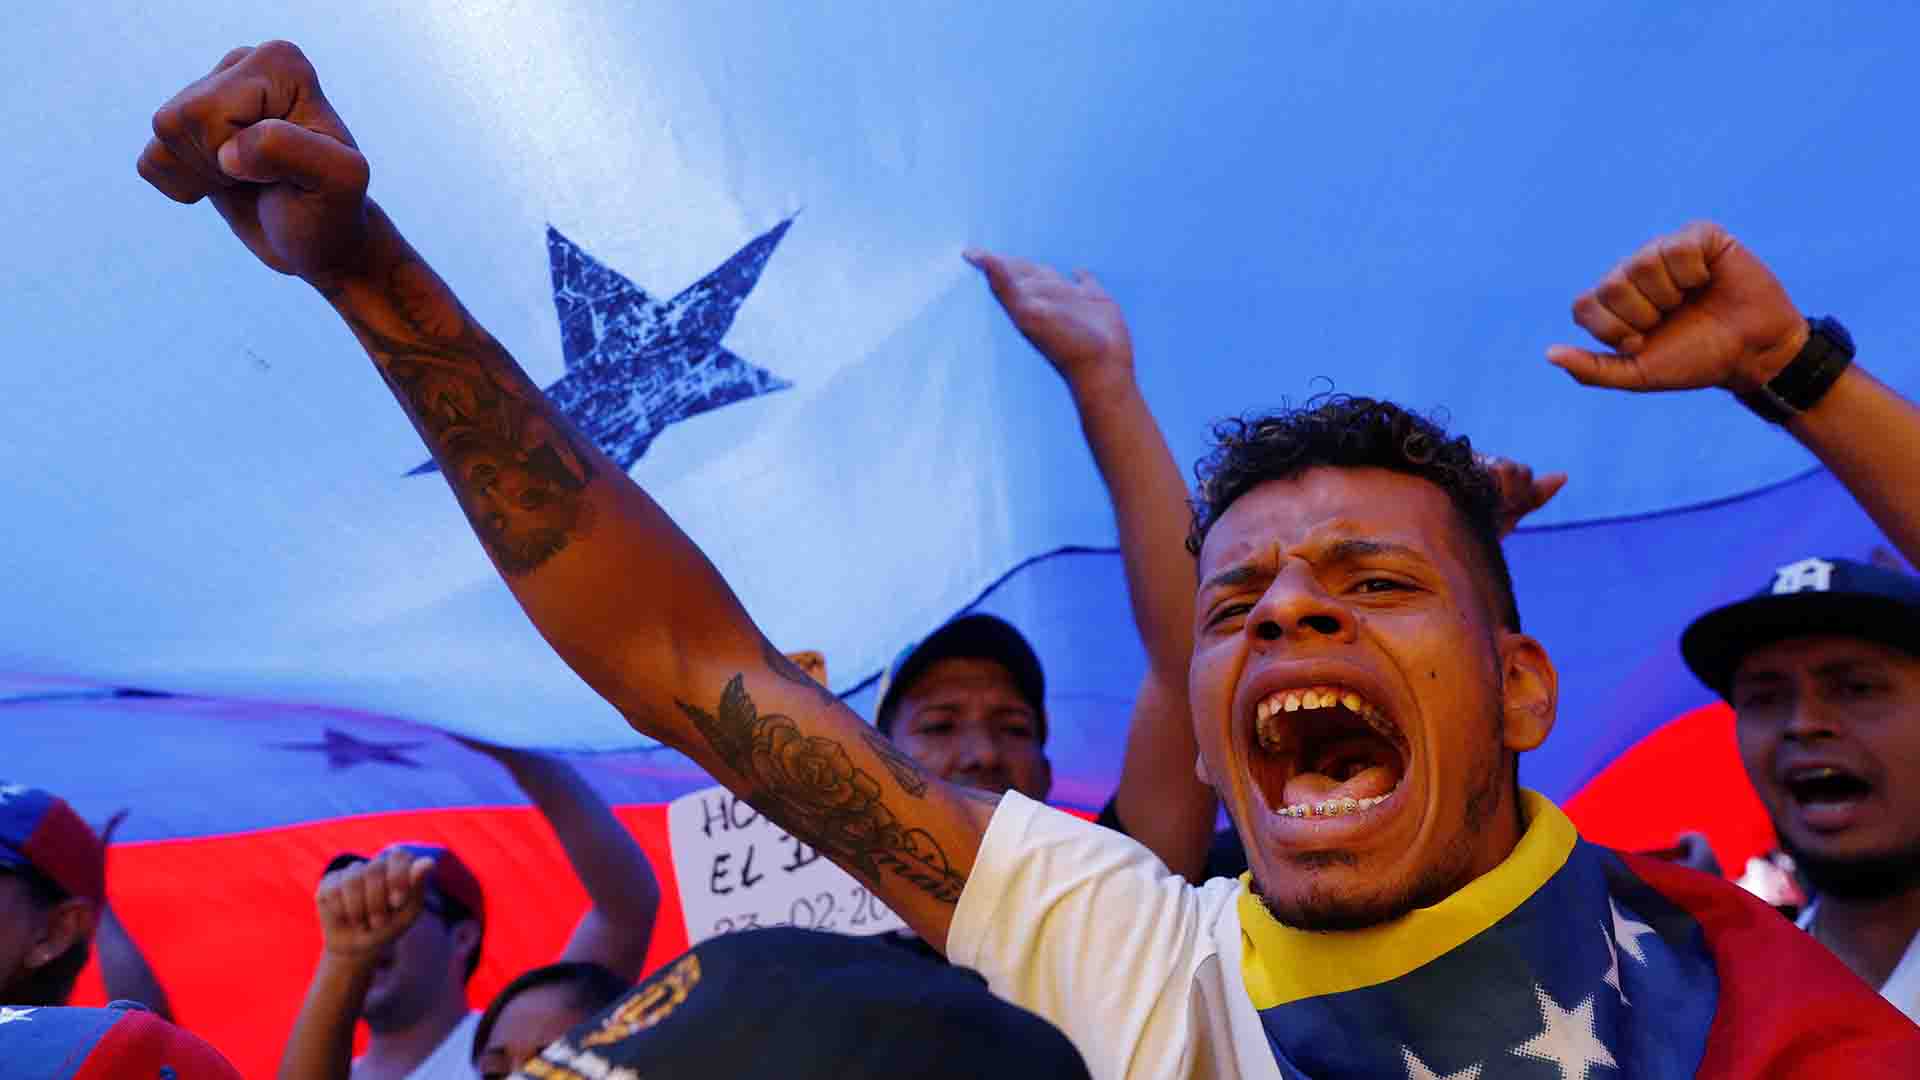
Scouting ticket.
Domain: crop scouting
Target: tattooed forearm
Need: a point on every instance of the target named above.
(906, 771)
(513, 462)
(782, 665)
(808, 785)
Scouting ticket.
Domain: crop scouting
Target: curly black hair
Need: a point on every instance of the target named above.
(1343, 431)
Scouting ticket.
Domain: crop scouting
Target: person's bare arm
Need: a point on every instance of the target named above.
(626, 599)
(1696, 309)
(619, 880)
(362, 908)
(1081, 332)
(124, 970)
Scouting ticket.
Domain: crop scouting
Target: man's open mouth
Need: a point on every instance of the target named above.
(1825, 785)
(1325, 751)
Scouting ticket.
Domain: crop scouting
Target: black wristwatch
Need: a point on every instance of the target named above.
(1808, 376)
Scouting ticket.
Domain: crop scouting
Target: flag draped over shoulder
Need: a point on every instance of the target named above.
(1568, 961)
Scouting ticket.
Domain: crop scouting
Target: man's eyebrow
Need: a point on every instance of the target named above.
(1839, 669)
(1354, 548)
(1238, 575)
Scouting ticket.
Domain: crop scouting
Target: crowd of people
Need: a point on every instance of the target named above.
(1349, 680)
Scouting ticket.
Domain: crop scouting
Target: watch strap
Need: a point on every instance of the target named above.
(1808, 376)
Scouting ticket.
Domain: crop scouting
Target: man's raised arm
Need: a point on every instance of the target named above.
(1079, 329)
(1696, 309)
(624, 597)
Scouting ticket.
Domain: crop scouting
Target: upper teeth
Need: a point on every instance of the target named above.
(1311, 697)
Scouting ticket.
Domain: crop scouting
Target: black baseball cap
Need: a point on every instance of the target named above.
(1812, 596)
(813, 1005)
(977, 636)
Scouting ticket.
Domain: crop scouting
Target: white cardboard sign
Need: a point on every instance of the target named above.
(738, 871)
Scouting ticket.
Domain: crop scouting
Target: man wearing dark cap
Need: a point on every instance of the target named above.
(1822, 668)
(969, 704)
(403, 930)
(808, 1005)
(53, 902)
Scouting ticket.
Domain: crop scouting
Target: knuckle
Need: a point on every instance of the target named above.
(279, 51)
(170, 121)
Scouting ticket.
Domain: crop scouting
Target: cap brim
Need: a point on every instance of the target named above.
(1715, 644)
(977, 635)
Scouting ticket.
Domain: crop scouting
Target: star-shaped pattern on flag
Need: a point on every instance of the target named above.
(1628, 931)
(10, 1015)
(636, 364)
(1568, 1038)
(344, 751)
(1419, 1070)
(1612, 977)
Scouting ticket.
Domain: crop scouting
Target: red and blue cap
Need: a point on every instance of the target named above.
(120, 1042)
(41, 833)
(449, 875)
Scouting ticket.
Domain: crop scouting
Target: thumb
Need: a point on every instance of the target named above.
(278, 151)
(1595, 369)
(1545, 488)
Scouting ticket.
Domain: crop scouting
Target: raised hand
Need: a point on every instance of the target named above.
(1072, 321)
(366, 905)
(1521, 493)
(1691, 309)
(258, 137)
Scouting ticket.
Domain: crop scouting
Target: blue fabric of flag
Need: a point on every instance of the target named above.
(762, 207)
(1595, 968)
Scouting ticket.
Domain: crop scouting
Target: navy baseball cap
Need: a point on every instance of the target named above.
(811, 1005)
(41, 833)
(975, 637)
(1812, 596)
(120, 1042)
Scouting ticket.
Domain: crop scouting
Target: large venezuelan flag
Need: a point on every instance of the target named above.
(728, 235)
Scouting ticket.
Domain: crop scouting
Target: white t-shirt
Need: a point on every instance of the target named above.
(453, 1058)
(1903, 986)
(1090, 930)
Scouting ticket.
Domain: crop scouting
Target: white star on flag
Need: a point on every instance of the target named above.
(1612, 977)
(1568, 1039)
(1419, 1070)
(9, 1014)
(1633, 929)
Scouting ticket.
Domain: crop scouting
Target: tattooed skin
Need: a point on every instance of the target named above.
(808, 786)
(518, 476)
(782, 665)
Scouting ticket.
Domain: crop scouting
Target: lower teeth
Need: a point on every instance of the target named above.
(1332, 807)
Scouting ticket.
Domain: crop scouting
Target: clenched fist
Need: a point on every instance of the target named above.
(1692, 309)
(1072, 321)
(365, 905)
(258, 137)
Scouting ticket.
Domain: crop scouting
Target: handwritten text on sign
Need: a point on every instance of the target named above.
(738, 870)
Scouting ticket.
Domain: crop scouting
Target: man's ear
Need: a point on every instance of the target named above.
(1529, 691)
(70, 922)
(466, 939)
